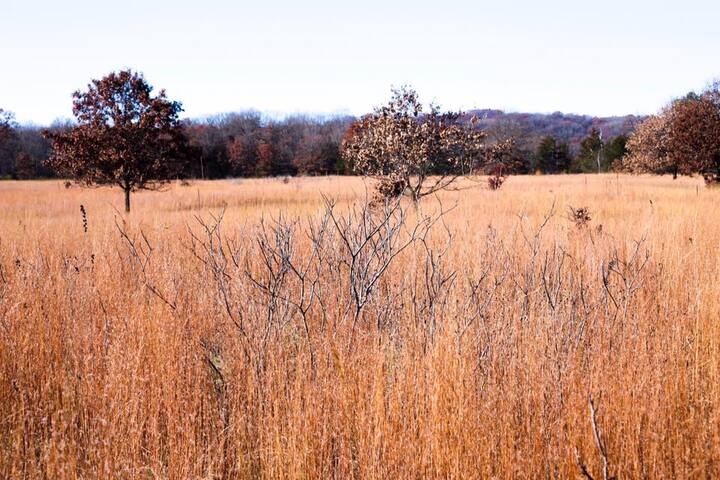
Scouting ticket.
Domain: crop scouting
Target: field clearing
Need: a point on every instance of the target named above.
(157, 345)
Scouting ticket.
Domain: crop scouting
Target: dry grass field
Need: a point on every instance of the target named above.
(242, 329)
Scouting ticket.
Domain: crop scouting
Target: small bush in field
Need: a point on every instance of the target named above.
(496, 181)
(579, 216)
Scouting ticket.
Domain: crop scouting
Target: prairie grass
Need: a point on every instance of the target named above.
(217, 331)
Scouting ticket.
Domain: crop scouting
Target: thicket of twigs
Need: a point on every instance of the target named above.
(484, 335)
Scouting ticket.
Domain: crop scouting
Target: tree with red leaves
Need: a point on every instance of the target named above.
(317, 156)
(124, 136)
(684, 139)
(265, 158)
(695, 137)
(242, 156)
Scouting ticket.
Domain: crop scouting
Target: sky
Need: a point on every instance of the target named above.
(337, 57)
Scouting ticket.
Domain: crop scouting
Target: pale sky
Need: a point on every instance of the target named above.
(599, 58)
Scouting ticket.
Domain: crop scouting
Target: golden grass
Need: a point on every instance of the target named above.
(477, 363)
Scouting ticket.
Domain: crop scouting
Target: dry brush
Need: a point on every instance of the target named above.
(343, 341)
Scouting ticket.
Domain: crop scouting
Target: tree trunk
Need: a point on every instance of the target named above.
(415, 196)
(127, 200)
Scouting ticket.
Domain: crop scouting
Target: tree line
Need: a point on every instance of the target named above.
(249, 144)
(244, 144)
(126, 135)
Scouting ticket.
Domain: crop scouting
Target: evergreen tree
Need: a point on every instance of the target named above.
(590, 158)
(552, 156)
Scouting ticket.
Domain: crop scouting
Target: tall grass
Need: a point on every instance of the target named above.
(254, 329)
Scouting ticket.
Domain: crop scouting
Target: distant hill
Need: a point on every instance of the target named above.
(570, 128)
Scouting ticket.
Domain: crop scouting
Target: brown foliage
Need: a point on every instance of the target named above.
(648, 147)
(124, 136)
(25, 167)
(242, 156)
(496, 181)
(695, 137)
(579, 216)
(504, 158)
(413, 151)
(266, 155)
(316, 156)
(683, 139)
